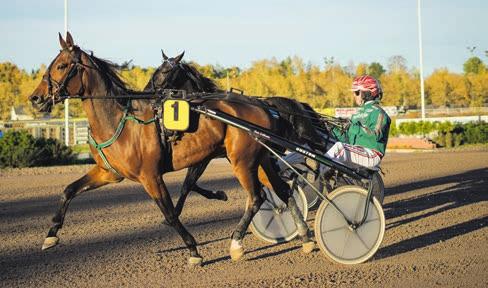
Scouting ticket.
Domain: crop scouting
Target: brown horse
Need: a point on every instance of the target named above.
(137, 153)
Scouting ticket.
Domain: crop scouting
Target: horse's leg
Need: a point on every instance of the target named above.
(272, 180)
(93, 179)
(246, 173)
(156, 188)
(189, 184)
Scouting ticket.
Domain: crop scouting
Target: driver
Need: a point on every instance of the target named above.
(363, 140)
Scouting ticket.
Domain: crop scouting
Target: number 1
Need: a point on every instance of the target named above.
(175, 114)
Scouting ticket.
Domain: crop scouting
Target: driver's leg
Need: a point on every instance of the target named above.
(346, 154)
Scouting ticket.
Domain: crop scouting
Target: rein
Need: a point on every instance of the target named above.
(167, 93)
(160, 94)
(116, 135)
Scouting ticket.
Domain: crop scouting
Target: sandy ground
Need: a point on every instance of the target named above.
(436, 209)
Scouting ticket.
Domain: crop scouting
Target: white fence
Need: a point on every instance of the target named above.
(52, 128)
(457, 119)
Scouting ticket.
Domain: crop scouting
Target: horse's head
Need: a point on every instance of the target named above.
(165, 76)
(174, 74)
(63, 77)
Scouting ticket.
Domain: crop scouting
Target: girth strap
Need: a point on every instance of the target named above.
(114, 138)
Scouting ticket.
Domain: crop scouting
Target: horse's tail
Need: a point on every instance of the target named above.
(296, 121)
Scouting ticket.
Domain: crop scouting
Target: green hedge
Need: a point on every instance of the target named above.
(19, 149)
(448, 134)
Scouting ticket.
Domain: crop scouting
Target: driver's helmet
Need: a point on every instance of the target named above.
(367, 84)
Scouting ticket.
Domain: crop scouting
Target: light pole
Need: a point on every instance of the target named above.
(66, 102)
(421, 62)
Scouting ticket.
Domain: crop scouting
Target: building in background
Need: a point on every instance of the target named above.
(18, 114)
(51, 128)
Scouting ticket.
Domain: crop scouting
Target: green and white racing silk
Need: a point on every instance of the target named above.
(369, 128)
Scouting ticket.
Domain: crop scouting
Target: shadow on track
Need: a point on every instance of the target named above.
(112, 195)
(463, 189)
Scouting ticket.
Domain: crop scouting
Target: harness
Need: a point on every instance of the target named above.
(116, 135)
(61, 93)
(166, 138)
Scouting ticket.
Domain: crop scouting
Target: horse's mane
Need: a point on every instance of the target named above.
(204, 83)
(110, 73)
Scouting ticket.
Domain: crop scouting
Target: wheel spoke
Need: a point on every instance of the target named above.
(282, 224)
(334, 229)
(342, 216)
(345, 242)
(269, 222)
(362, 241)
(370, 220)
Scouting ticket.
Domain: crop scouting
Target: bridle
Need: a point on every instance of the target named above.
(76, 66)
(172, 74)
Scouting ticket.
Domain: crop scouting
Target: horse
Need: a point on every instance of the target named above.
(159, 80)
(176, 74)
(134, 149)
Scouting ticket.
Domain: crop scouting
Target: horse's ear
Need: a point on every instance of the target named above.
(69, 40)
(179, 57)
(164, 55)
(62, 42)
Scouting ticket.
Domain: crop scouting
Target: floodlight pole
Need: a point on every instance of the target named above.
(422, 94)
(66, 102)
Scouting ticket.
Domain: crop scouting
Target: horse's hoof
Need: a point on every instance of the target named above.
(195, 261)
(236, 254)
(308, 247)
(221, 195)
(50, 242)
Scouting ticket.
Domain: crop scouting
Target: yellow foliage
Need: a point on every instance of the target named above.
(291, 77)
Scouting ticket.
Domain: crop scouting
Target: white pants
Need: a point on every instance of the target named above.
(341, 152)
(346, 153)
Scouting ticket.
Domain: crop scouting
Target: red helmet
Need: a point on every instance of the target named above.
(367, 83)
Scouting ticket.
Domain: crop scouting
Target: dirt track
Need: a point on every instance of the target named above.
(436, 209)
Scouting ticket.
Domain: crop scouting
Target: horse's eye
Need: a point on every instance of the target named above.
(62, 66)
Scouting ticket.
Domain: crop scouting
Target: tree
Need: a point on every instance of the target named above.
(375, 69)
(474, 65)
(401, 88)
(11, 77)
(361, 69)
(447, 89)
(397, 63)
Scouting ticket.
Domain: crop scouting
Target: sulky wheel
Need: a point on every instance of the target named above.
(336, 238)
(313, 200)
(378, 185)
(274, 223)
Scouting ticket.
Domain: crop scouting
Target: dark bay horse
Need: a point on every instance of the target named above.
(160, 80)
(173, 73)
(137, 153)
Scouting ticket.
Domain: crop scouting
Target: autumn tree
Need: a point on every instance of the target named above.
(446, 89)
(361, 69)
(375, 69)
(474, 65)
(397, 63)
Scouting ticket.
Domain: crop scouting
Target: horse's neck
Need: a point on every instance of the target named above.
(103, 114)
